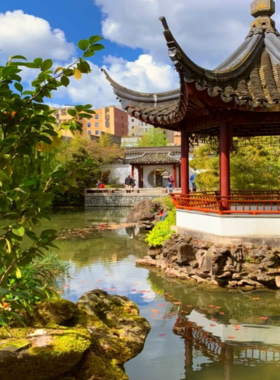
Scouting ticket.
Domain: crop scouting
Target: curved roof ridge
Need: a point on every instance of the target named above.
(181, 61)
(156, 97)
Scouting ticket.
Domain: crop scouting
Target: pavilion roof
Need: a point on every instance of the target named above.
(248, 80)
(154, 158)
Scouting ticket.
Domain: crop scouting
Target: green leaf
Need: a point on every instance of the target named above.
(46, 139)
(4, 321)
(46, 65)
(94, 39)
(18, 230)
(64, 81)
(96, 47)
(38, 62)
(83, 44)
(72, 112)
(4, 176)
(19, 87)
(88, 54)
(18, 57)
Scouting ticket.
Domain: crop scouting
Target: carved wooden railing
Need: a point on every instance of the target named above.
(246, 202)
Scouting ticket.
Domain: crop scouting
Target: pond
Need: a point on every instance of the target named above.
(196, 333)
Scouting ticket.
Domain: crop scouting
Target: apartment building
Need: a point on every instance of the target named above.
(110, 120)
(138, 128)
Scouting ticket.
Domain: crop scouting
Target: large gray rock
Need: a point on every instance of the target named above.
(121, 315)
(186, 253)
(44, 354)
(146, 210)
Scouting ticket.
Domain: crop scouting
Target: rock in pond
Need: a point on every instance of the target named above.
(90, 340)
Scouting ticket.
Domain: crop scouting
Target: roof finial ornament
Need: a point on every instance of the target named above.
(262, 8)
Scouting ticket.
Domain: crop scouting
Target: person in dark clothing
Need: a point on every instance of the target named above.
(128, 182)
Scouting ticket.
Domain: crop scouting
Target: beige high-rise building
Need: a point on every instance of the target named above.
(138, 128)
(110, 120)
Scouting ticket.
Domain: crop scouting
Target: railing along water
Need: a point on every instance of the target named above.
(238, 203)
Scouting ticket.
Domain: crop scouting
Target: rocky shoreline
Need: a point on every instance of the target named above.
(90, 340)
(232, 266)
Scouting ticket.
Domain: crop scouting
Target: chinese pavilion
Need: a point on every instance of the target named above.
(240, 98)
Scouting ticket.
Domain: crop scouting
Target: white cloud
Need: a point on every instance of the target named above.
(209, 31)
(144, 75)
(32, 37)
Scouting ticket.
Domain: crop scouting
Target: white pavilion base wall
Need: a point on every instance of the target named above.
(229, 228)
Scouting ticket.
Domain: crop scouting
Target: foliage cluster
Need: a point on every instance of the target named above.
(154, 137)
(162, 230)
(29, 128)
(254, 166)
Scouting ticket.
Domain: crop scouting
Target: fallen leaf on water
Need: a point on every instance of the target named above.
(256, 299)
(59, 292)
(214, 320)
(156, 311)
(211, 306)
(166, 294)
(134, 290)
(112, 290)
(212, 325)
(264, 318)
(231, 337)
(83, 281)
(161, 334)
(161, 304)
(184, 312)
(237, 326)
(199, 325)
(222, 313)
(177, 303)
(189, 306)
(218, 307)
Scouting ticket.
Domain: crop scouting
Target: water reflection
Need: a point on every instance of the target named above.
(197, 333)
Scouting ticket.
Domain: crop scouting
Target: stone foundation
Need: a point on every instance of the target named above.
(233, 266)
(113, 200)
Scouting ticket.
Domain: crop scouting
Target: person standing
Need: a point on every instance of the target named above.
(133, 182)
(128, 182)
(170, 182)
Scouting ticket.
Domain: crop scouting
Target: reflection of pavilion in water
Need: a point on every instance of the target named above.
(258, 344)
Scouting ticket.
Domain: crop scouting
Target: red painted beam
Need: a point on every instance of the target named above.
(175, 175)
(225, 136)
(185, 162)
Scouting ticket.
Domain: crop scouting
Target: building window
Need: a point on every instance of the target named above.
(107, 124)
(106, 109)
(132, 127)
(96, 117)
(132, 120)
(89, 132)
(89, 125)
(97, 125)
(97, 132)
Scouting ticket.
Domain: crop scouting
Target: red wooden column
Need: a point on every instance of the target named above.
(132, 170)
(175, 175)
(185, 182)
(225, 161)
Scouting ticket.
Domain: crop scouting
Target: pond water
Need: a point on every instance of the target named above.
(196, 333)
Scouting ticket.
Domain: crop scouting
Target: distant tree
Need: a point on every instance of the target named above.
(255, 166)
(155, 137)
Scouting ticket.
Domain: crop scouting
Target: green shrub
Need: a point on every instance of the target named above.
(166, 202)
(162, 231)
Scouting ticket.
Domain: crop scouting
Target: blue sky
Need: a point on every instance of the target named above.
(76, 21)
(135, 52)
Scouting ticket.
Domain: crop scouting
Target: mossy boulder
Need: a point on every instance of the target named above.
(59, 312)
(44, 354)
(63, 341)
(121, 332)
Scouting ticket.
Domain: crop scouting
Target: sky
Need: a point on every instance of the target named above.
(135, 53)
